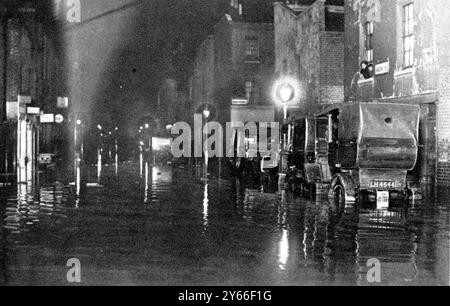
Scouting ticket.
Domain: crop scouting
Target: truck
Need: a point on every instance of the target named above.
(360, 151)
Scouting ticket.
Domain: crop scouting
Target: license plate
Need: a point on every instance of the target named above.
(384, 184)
(383, 199)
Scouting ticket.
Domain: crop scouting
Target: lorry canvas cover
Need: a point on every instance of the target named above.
(389, 121)
(368, 120)
(388, 136)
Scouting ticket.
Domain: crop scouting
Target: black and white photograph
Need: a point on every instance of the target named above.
(222, 149)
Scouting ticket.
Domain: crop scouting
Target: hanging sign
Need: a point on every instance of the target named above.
(59, 119)
(62, 102)
(47, 118)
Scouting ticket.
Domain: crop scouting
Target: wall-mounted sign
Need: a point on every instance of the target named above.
(24, 99)
(12, 110)
(62, 102)
(33, 110)
(382, 68)
(47, 118)
(59, 119)
(239, 101)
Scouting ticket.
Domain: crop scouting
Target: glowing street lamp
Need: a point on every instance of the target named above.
(206, 113)
(286, 93)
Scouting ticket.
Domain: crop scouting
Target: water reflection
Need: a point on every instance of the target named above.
(238, 235)
(283, 249)
(395, 247)
(283, 253)
(147, 183)
(29, 206)
(205, 208)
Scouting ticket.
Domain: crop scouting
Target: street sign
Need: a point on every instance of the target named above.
(239, 101)
(24, 99)
(382, 68)
(59, 119)
(62, 102)
(33, 110)
(47, 118)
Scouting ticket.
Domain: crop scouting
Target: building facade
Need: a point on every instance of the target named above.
(202, 79)
(309, 40)
(32, 65)
(406, 42)
(233, 71)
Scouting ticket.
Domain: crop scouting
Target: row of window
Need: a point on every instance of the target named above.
(408, 37)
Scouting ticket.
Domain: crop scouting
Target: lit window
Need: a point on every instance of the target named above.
(369, 41)
(408, 35)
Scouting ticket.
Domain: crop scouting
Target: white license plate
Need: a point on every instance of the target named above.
(382, 199)
(384, 184)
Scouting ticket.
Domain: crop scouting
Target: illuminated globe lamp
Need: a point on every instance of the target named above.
(206, 113)
(285, 93)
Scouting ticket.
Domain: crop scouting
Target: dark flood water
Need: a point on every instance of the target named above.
(181, 230)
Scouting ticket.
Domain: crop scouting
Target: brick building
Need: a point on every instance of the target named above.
(407, 43)
(309, 41)
(235, 64)
(202, 79)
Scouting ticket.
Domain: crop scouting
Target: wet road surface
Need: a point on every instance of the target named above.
(174, 228)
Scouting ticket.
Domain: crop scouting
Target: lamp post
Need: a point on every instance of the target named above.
(285, 93)
(206, 115)
(78, 153)
(99, 153)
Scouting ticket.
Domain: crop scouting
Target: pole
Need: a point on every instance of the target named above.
(75, 157)
(205, 149)
(5, 68)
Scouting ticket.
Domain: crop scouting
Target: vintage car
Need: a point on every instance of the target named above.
(365, 150)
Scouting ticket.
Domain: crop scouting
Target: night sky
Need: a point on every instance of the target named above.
(124, 49)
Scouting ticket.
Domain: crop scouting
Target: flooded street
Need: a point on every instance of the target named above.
(137, 231)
